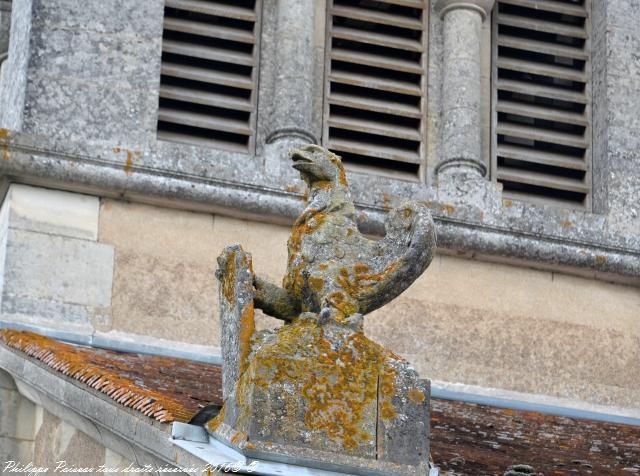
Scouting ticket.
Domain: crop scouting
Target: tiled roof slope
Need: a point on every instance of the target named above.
(467, 439)
(167, 389)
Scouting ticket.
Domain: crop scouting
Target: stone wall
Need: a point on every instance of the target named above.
(31, 434)
(59, 443)
(17, 422)
(54, 272)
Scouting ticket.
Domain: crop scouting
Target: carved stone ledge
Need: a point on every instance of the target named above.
(483, 7)
(294, 133)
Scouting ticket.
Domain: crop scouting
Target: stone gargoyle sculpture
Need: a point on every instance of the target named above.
(316, 391)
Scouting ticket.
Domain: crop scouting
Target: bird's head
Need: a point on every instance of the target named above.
(318, 166)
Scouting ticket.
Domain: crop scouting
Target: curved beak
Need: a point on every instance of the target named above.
(300, 158)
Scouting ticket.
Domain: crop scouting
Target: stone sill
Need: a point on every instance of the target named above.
(265, 188)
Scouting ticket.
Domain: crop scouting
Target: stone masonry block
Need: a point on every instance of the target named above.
(92, 72)
(58, 268)
(6, 381)
(52, 211)
(55, 278)
(16, 415)
(53, 272)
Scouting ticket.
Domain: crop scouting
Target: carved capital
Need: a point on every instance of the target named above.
(483, 7)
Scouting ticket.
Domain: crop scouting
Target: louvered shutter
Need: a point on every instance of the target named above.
(541, 100)
(208, 85)
(375, 81)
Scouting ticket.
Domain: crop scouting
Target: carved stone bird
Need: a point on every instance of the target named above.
(332, 268)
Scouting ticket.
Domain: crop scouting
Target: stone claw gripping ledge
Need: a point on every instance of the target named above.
(317, 391)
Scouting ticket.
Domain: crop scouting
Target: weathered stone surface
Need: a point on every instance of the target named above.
(6, 381)
(328, 396)
(461, 94)
(14, 70)
(57, 440)
(255, 186)
(316, 390)
(87, 72)
(52, 272)
(403, 414)
(58, 281)
(52, 211)
(5, 25)
(62, 269)
(332, 267)
(291, 115)
(16, 422)
(162, 273)
(236, 295)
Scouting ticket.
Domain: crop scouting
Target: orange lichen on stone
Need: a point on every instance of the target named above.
(507, 203)
(128, 165)
(229, 283)
(215, 423)
(342, 174)
(337, 385)
(566, 224)
(360, 280)
(316, 283)
(601, 259)
(448, 208)
(238, 437)
(306, 224)
(387, 390)
(4, 143)
(416, 396)
(346, 307)
(247, 329)
(387, 410)
(101, 374)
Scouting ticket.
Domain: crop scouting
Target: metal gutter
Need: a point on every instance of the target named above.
(534, 403)
(131, 344)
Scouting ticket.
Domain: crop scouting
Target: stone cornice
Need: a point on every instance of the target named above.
(483, 7)
(520, 233)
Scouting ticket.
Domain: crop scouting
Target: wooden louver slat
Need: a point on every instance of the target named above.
(375, 84)
(541, 101)
(208, 83)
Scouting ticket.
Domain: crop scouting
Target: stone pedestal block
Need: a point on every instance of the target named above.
(324, 395)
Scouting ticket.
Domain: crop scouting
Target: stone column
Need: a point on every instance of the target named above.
(293, 67)
(461, 93)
